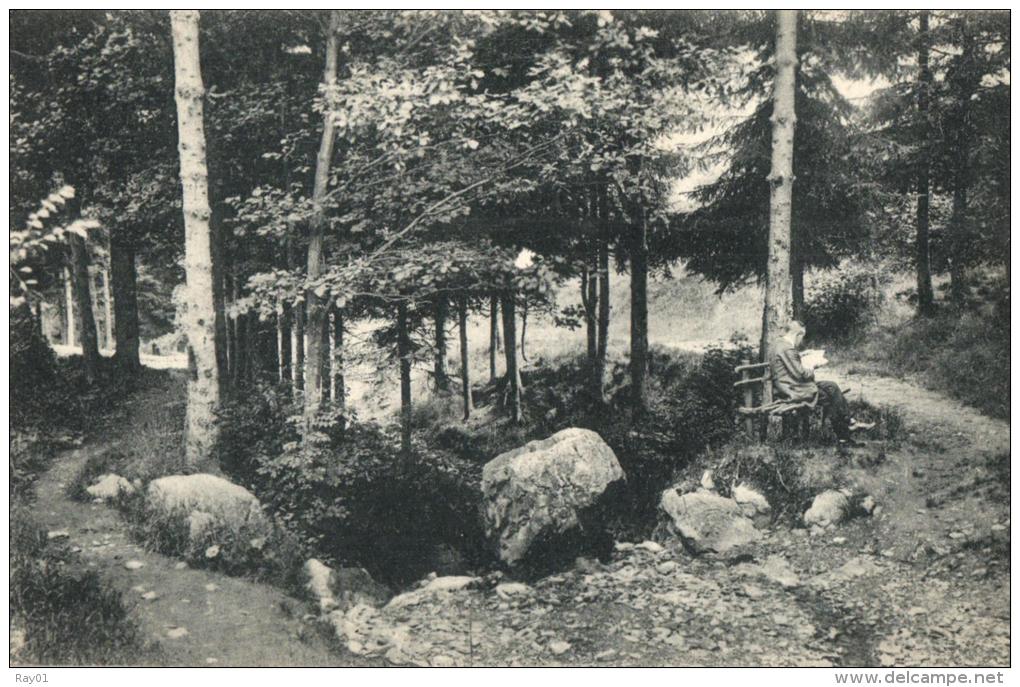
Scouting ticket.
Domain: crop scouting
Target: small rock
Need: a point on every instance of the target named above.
(109, 487)
(134, 565)
(605, 655)
(916, 610)
(177, 632)
(868, 504)
(628, 546)
(707, 481)
(58, 534)
(839, 541)
(138, 588)
(650, 546)
(355, 647)
(442, 661)
(212, 552)
(559, 647)
(211, 587)
(980, 572)
(180, 565)
(828, 508)
(957, 535)
(507, 589)
(212, 660)
(150, 596)
(998, 528)
(666, 567)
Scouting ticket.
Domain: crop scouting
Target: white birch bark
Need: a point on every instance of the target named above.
(200, 320)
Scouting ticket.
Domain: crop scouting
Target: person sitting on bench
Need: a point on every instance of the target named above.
(794, 381)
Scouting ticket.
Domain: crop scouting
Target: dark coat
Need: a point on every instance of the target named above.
(790, 380)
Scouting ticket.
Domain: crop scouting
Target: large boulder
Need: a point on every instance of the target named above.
(539, 497)
(206, 509)
(708, 523)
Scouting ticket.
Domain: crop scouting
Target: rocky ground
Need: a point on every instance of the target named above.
(922, 581)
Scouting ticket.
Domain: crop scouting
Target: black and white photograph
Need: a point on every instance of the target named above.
(461, 338)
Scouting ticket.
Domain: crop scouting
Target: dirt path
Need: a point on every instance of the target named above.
(229, 621)
(926, 410)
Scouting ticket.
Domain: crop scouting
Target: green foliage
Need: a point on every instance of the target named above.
(54, 597)
(350, 498)
(842, 301)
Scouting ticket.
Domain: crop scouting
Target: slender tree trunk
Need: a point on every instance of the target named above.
(925, 293)
(778, 288)
(639, 313)
(283, 340)
(298, 346)
(83, 297)
(69, 328)
(125, 305)
(493, 335)
(107, 307)
(94, 298)
(465, 378)
(339, 391)
(442, 377)
(513, 372)
(230, 328)
(203, 377)
(961, 176)
(219, 266)
(591, 299)
(404, 352)
(524, 329)
(315, 308)
(599, 374)
(326, 370)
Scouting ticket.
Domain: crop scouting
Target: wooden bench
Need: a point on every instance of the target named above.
(767, 407)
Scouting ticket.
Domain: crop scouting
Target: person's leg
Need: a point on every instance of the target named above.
(831, 396)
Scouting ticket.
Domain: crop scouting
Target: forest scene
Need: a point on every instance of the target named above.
(449, 338)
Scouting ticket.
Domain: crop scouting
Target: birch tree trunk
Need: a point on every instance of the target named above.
(925, 293)
(316, 314)
(200, 322)
(778, 288)
(83, 297)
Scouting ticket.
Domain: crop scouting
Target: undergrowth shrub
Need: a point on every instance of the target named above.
(350, 497)
(61, 612)
(841, 302)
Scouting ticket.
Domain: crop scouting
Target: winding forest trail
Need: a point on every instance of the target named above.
(229, 621)
(923, 582)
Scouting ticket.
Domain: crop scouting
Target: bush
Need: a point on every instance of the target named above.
(350, 498)
(54, 598)
(841, 302)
